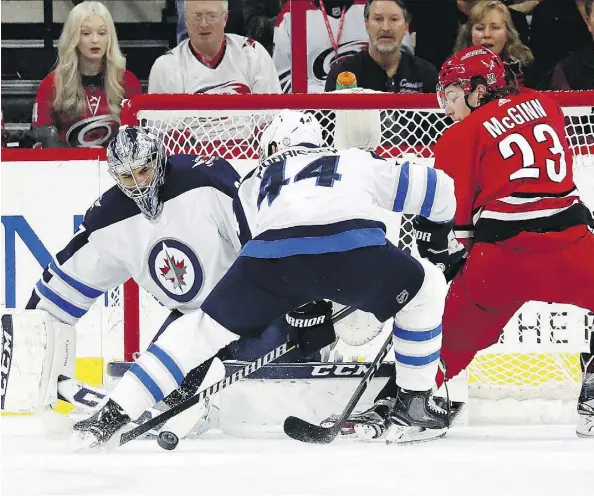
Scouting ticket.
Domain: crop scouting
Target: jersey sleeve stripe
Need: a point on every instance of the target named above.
(429, 193)
(60, 302)
(169, 363)
(147, 381)
(402, 189)
(416, 361)
(83, 289)
(416, 335)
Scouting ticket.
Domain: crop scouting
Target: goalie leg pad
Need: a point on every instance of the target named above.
(36, 350)
(417, 332)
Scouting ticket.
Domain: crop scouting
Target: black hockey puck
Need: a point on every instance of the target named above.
(167, 440)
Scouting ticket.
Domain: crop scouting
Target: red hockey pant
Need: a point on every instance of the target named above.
(499, 278)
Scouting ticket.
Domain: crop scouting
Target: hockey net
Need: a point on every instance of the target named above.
(537, 356)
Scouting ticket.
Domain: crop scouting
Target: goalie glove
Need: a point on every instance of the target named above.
(310, 326)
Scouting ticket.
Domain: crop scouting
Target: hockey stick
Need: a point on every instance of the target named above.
(306, 432)
(222, 384)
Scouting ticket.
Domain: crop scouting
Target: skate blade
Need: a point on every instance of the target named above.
(585, 426)
(413, 434)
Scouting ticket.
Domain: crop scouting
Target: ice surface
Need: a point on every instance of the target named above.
(470, 461)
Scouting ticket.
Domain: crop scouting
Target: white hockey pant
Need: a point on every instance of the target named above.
(417, 333)
(186, 343)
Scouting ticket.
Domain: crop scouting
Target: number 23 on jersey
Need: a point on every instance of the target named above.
(556, 169)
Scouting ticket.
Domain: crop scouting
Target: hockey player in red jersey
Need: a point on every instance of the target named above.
(518, 204)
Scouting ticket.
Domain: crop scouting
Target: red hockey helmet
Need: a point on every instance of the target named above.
(474, 61)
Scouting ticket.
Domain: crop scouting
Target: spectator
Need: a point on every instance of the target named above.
(436, 24)
(335, 31)
(559, 27)
(260, 18)
(490, 25)
(211, 61)
(82, 96)
(235, 23)
(576, 72)
(385, 66)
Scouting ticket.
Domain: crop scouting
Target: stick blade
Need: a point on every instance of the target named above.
(305, 432)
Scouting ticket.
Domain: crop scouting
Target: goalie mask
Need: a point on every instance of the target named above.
(136, 160)
(289, 129)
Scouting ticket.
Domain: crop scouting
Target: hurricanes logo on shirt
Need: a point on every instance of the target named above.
(176, 269)
(92, 131)
(327, 58)
(228, 88)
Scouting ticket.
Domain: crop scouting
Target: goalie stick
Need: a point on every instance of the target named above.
(222, 384)
(307, 432)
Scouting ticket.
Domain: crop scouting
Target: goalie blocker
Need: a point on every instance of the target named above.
(36, 349)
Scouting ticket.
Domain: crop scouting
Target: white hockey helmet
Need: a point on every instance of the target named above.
(290, 128)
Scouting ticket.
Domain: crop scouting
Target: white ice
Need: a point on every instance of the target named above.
(470, 461)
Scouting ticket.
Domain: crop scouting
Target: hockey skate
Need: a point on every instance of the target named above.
(585, 426)
(97, 431)
(416, 417)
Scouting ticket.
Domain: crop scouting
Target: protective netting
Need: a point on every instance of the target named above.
(536, 359)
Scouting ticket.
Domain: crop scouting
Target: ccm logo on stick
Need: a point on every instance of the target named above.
(357, 369)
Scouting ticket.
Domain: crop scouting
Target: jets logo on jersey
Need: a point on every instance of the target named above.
(176, 269)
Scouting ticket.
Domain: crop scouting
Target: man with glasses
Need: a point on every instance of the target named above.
(210, 61)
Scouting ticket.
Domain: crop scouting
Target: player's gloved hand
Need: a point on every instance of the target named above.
(432, 240)
(457, 256)
(310, 326)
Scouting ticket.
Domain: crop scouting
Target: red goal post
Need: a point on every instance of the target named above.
(230, 125)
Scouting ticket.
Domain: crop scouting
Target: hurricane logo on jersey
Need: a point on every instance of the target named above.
(176, 269)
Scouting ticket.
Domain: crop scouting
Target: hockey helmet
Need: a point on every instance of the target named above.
(136, 160)
(288, 129)
(471, 65)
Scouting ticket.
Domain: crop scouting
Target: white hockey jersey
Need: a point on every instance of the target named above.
(178, 259)
(319, 200)
(321, 55)
(243, 67)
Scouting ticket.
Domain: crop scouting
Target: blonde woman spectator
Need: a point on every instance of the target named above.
(82, 96)
(489, 24)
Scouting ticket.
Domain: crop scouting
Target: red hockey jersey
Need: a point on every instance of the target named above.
(512, 168)
(93, 128)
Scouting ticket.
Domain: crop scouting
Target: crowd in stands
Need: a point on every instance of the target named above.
(244, 46)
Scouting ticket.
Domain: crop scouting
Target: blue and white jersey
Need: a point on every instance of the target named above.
(178, 258)
(319, 200)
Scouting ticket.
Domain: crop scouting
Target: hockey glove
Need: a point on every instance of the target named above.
(457, 256)
(311, 327)
(432, 240)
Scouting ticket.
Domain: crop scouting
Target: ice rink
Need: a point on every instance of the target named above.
(470, 461)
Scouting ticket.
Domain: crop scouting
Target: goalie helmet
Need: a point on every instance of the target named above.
(136, 160)
(469, 66)
(288, 129)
